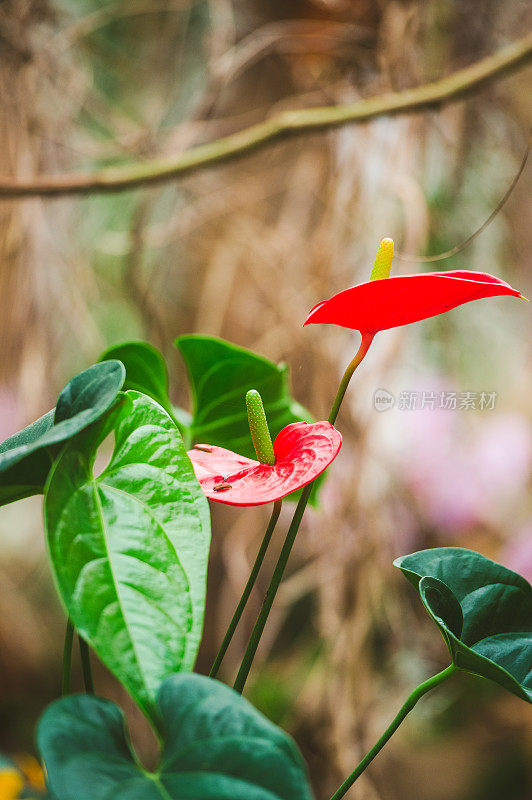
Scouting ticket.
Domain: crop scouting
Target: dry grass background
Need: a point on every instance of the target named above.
(243, 251)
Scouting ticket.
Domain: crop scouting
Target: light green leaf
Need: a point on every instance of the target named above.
(483, 611)
(26, 457)
(220, 375)
(129, 547)
(216, 746)
(146, 372)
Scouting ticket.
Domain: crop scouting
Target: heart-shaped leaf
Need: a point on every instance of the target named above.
(483, 611)
(146, 372)
(129, 547)
(26, 457)
(220, 375)
(216, 747)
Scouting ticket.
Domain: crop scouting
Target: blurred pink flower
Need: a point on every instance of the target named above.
(518, 553)
(465, 477)
(9, 417)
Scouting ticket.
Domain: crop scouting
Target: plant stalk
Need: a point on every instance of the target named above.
(411, 701)
(247, 591)
(86, 665)
(277, 576)
(367, 339)
(67, 658)
(254, 640)
(286, 123)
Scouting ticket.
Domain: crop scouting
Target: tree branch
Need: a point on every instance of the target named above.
(287, 123)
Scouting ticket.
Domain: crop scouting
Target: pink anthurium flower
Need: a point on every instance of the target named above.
(384, 302)
(302, 452)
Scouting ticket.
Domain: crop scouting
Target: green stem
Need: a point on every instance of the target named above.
(67, 658)
(247, 591)
(86, 665)
(286, 123)
(254, 640)
(367, 339)
(277, 576)
(411, 701)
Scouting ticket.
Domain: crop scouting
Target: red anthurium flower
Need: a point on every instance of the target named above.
(302, 452)
(389, 302)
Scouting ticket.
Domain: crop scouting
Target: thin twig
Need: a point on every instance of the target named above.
(472, 236)
(288, 123)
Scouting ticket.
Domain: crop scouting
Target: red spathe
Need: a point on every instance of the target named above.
(302, 452)
(390, 302)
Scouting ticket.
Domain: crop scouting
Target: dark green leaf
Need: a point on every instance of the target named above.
(26, 457)
(483, 611)
(220, 375)
(129, 548)
(216, 747)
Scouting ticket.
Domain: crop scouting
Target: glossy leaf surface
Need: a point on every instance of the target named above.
(220, 374)
(146, 372)
(302, 452)
(216, 746)
(483, 611)
(129, 547)
(387, 303)
(26, 457)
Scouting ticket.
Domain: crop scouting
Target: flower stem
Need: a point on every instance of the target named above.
(411, 701)
(254, 640)
(67, 657)
(247, 591)
(367, 339)
(277, 576)
(86, 665)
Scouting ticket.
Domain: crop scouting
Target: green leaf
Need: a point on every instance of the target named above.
(483, 611)
(26, 457)
(145, 369)
(129, 547)
(146, 372)
(216, 746)
(220, 375)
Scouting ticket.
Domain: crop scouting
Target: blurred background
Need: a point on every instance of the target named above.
(243, 251)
